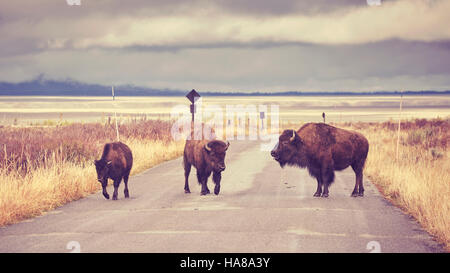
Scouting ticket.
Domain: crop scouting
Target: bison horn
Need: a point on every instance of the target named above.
(109, 162)
(293, 136)
(228, 145)
(207, 147)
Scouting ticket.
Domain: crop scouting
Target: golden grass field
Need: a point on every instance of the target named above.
(419, 180)
(44, 165)
(43, 168)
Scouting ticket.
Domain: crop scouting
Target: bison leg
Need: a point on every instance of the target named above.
(319, 187)
(125, 181)
(359, 188)
(327, 179)
(116, 187)
(205, 189)
(216, 178)
(187, 171)
(105, 193)
(203, 180)
(359, 178)
(200, 178)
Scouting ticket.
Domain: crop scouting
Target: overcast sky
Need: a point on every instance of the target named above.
(230, 45)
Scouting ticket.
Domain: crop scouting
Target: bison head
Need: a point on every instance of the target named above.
(287, 148)
(102, 166)
(216, 151)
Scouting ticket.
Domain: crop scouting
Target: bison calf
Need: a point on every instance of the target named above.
(116, 163)
(323, 149)
(207, 157)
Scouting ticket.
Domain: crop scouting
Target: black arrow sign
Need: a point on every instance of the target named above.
(193, 96)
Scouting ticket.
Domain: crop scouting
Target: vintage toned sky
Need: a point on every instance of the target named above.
(230, 45)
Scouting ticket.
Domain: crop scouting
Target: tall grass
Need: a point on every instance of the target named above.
(419, 181)
(43, 168)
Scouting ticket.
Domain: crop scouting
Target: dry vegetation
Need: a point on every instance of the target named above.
(42, 168)
(419, 181)
(45, 167)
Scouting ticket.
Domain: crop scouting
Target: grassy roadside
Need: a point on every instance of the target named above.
(419, 181)
(44, 168)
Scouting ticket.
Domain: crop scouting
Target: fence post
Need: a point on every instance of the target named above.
(399, 124)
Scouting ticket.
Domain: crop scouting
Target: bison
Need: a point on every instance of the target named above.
(116, 163)
(323, 149)
(207, 156)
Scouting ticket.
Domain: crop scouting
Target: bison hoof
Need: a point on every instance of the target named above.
(325, 195)
(317, 194)
(106, 195)
(114, 198)
(187, 191)
(127, 195)
(354, 194)
(361, 194)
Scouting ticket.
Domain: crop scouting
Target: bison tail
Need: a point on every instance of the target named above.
(106, 150)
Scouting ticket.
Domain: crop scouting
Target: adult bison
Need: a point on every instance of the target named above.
(208, 157)
(323, 149)
(116, 163)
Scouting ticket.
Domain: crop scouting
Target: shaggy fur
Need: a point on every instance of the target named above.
(323, 149)
(207, 156)
(116, 163)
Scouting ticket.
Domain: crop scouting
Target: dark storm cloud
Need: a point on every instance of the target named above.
(230, 44)
(38, 10)
(283, 7)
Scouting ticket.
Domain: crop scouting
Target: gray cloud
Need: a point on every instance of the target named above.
(384, 65)
(230, 45)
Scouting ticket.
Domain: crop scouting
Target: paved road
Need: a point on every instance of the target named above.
(261, 208)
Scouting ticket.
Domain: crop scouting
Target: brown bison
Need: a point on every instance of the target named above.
(207, 156)
(323, 149)
(116, 163)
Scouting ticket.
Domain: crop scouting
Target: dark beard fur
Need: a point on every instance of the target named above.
(294, 161)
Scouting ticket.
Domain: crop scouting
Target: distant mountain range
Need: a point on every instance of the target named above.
(44, 87)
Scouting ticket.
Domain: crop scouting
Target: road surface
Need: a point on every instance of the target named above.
(261, 208)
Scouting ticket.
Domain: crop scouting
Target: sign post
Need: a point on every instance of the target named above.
(193, 96)
(262, 116)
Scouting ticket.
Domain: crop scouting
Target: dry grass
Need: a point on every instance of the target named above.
(44, 168)
(419, 181)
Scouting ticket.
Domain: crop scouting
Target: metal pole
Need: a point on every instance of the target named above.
(115, 114)
(399, 124)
